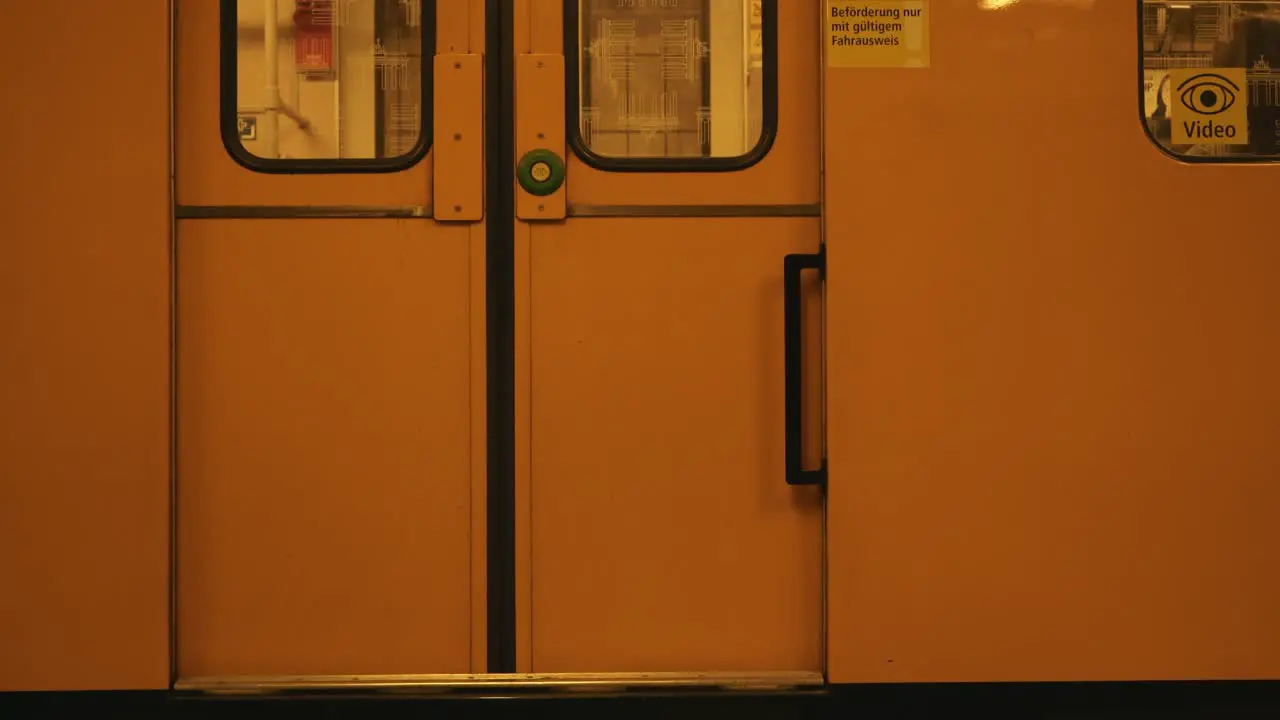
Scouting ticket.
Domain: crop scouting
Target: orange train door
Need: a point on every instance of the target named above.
(330, 350)
(480, 357)
(655, 528)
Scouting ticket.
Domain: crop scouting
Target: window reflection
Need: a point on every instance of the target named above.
(1243, 35)
(670, 78)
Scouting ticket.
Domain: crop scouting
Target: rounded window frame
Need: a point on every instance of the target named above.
(228, 109)
(1250, 160)
(592, 159)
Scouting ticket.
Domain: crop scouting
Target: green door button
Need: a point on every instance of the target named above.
(540, 172)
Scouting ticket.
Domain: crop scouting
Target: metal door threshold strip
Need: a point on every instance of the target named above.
(463, 683)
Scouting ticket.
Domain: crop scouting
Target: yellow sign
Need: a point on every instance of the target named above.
(756, 16)
(1155, 90)
(888, 33)
(1209, 106)
(757, 43)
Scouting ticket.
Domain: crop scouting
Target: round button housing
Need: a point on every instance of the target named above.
(540, 172)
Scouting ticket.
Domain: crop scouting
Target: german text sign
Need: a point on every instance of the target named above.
(883, 34)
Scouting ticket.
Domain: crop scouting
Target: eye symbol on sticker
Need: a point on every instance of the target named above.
(1207, 94)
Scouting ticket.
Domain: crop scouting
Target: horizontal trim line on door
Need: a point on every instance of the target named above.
(512, 681)
(797, 210)
(242, 212)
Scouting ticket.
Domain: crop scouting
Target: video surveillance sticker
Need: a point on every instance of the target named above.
(1209, 106)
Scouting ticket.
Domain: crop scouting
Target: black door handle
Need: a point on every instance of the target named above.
(793, 314)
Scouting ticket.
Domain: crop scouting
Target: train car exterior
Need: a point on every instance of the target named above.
(438, 349)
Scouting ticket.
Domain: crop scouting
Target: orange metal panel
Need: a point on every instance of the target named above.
(479, 450)
(521, 13)
(1052, 390)
(324, 447)
(664, 537)
(477, 26)
(546, 28)
(453, 31)
(787, 175)
(84, 360)
(459, 137)
(523, 448)
(207, 173)
(478, 239)
(540, 126)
